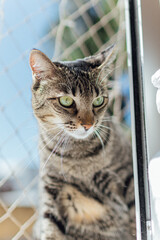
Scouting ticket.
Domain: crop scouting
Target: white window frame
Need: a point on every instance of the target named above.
(141, 20)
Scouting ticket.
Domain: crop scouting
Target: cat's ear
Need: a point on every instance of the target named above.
(107, 56)
(42, 67)
(103, 61)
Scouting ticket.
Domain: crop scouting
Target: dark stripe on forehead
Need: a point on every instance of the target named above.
(65, 88)
(96, 90)
(80, 88)
(91, 88)
(73, 90)
(84, 86)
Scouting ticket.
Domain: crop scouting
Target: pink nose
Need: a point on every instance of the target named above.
(87, 126)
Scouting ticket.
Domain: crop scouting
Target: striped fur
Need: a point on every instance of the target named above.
(86, 184)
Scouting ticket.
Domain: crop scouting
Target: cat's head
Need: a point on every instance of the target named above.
(71, 95)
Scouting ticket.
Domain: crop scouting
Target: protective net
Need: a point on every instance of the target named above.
(66, 30)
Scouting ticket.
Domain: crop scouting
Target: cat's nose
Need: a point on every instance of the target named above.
(87, 126)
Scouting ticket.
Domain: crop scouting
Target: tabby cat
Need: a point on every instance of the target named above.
(86, 179)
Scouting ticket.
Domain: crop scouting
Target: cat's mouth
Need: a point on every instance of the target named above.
(81, 133)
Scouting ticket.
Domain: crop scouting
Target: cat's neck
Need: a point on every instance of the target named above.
(66, 153)
(61, 143)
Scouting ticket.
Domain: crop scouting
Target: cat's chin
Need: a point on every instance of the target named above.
(81, 133)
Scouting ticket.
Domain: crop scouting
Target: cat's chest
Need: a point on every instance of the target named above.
(82, 169)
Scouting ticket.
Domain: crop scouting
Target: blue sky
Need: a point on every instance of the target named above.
(24, 23)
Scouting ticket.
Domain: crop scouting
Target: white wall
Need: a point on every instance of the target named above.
(151, 50)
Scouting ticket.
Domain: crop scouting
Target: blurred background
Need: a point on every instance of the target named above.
(63, 30)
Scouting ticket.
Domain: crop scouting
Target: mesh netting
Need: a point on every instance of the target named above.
(66, 30)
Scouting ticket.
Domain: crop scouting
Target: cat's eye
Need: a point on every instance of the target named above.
(66, 101)
(98, 101)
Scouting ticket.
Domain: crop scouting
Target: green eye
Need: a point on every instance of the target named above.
(66, 101)
(98, 101)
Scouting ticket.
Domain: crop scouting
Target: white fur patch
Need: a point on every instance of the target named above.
(81, 133)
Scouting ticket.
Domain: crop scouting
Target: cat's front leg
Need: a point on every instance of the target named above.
(50, 225)
(88, 218)
(110, 184)
(45, 228)
(107, 182)
(52, 228)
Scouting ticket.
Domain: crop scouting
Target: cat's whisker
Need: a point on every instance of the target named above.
(60, 123)
(109, 73)
(50, 140)
(50, 129)
(107, 120)
(110, 84)
(109, 117)
(99, 75)
(32, 159)
(46, 137)
(63, 124)
(46, 144)
(43, 125)
(62, 152)
(104, 76)
(35, 156)
(103, 131)
(54, 150)
(99, 137)
(114, 119)
(103, 126)
(106, 131)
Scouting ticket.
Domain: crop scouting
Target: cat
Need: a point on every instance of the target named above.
(86, 178)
